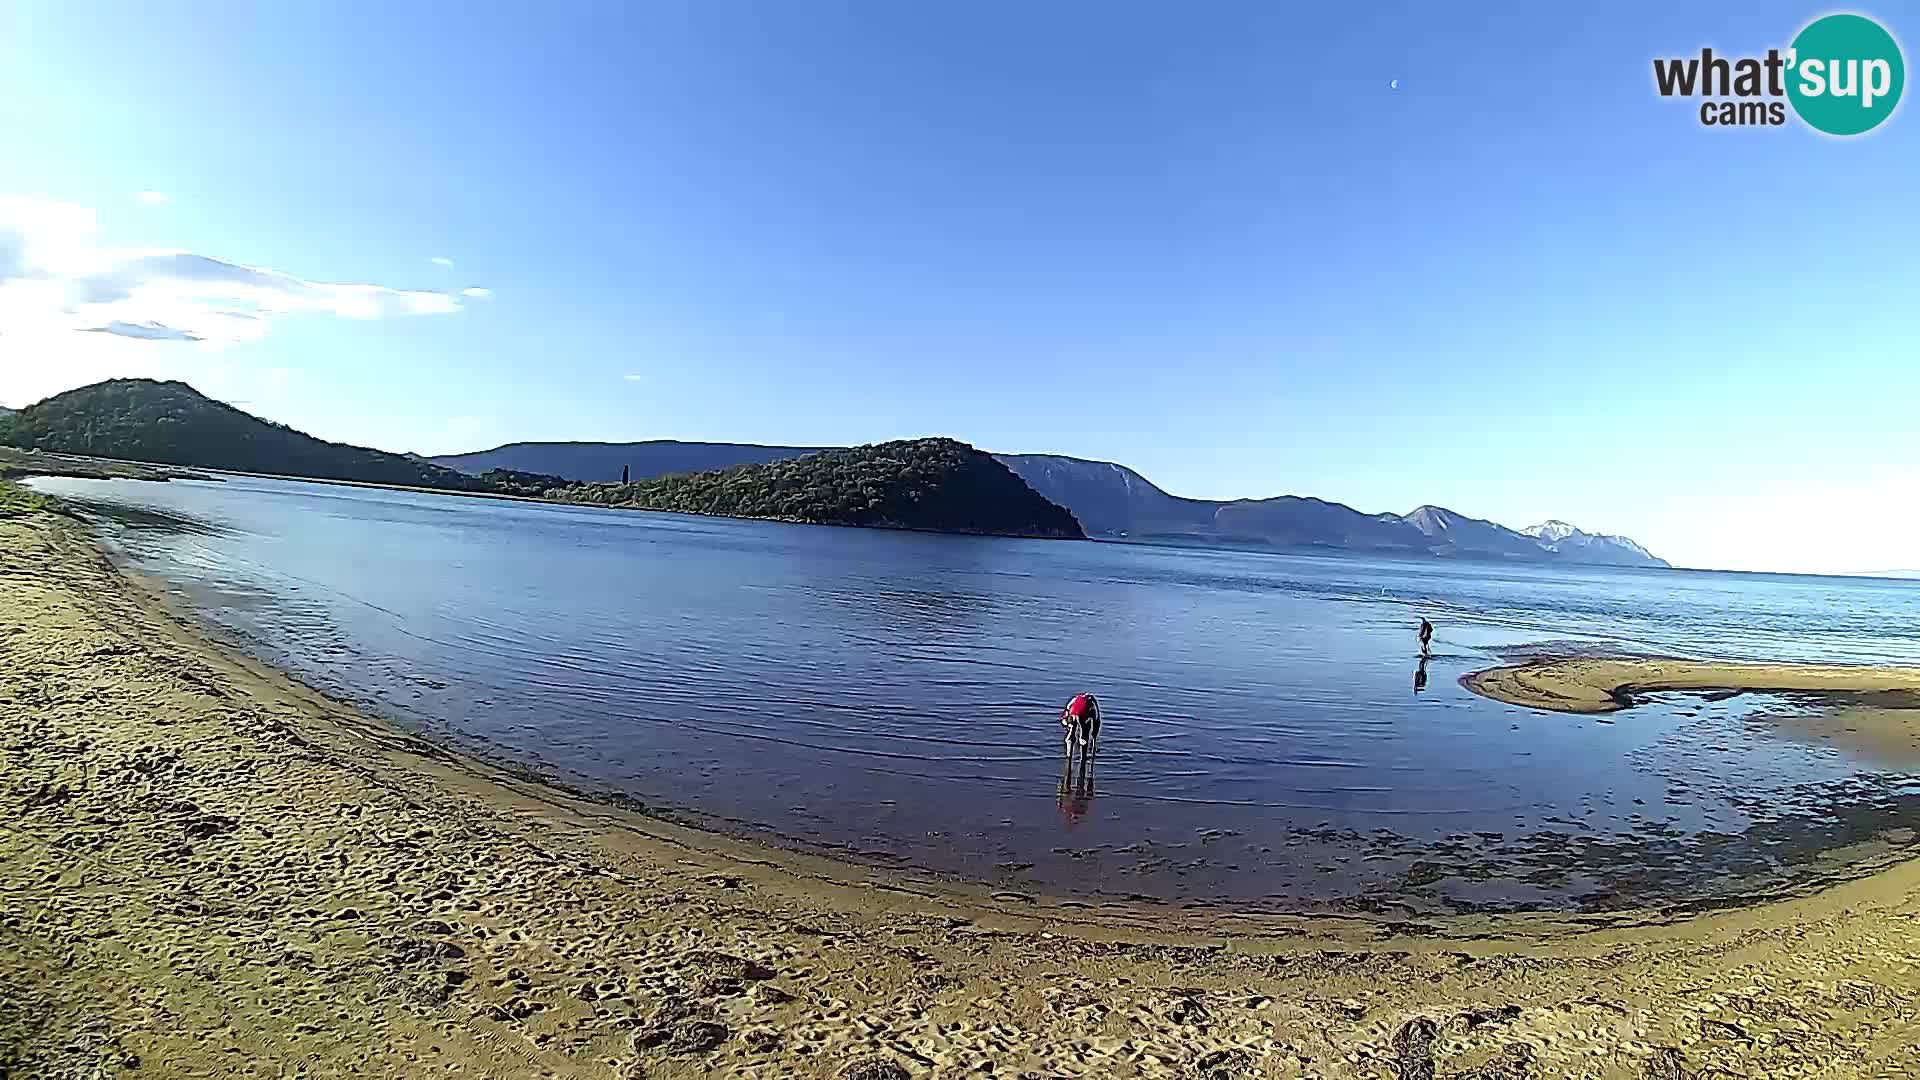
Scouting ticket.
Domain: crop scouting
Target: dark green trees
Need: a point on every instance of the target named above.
(939, 485)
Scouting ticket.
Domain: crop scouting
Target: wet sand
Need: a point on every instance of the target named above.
(1601, 685)
(206, 869)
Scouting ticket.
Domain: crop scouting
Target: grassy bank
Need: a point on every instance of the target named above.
(16, 500)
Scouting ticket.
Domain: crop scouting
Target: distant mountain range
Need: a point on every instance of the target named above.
(600, 463)
(1114, 501)
(933, 483)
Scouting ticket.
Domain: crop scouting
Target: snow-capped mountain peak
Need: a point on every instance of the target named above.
(1552, 532)
(1568, 540)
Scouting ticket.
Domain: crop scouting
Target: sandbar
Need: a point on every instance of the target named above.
(1601, 685)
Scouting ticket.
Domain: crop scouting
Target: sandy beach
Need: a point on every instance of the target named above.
(209, 870)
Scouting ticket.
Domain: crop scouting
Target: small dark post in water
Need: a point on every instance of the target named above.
(623, 474)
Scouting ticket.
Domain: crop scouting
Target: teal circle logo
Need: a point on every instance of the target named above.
(1845, 74)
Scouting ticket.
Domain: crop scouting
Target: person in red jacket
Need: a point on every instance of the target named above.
(1081, 718)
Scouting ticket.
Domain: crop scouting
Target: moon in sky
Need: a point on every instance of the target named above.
(1394, 85)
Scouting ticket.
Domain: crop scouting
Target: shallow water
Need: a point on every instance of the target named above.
(1269, 740)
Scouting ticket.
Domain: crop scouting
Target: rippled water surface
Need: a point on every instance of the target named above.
(1271, 739)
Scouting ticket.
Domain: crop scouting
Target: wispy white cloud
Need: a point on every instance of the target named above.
(633, 378)
(58, 281)
(147, 331)
(152, 198)
(441, 260)
(476, 292)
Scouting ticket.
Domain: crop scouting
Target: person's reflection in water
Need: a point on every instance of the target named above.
(1075, 793)
(1420, 676)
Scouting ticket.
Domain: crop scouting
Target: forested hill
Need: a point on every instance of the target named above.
(171, 423)
(939, 485)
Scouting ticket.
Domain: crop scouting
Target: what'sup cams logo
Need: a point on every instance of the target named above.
(1842, 75)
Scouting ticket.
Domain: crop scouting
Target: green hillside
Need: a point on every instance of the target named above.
(938, 485)
(171, 423)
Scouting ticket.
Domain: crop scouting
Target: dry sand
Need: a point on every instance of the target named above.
(206, 869)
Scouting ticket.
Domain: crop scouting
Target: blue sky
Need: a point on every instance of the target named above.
(1208, 241)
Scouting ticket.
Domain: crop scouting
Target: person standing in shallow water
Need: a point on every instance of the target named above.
(1426, 637)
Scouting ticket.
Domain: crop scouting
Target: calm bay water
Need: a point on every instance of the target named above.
(1271, 739)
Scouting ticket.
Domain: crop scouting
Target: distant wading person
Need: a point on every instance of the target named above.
(1426, 637)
